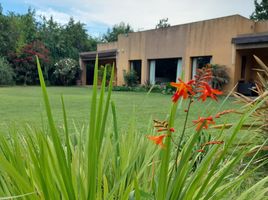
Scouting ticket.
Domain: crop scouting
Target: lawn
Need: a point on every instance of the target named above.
(127, 163)
(21, 105)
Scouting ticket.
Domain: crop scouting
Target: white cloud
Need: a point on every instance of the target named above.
(60, 17)
(141, 14)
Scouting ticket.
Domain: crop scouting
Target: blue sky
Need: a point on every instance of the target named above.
(99, 15)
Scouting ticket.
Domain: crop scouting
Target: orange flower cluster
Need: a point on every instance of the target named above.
(183, 89)
(158, 140)
(203, 122)
(161, 126)
(197, 86)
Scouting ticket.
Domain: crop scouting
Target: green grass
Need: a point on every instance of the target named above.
(21, 105)
(104, 163)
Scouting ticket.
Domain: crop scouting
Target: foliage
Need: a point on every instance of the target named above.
(24, 63)
(6, 73)
(100, 163)
(130, 78)
(112, 34)
(108, 72)
(9, 34)
(260, 115)
(67, 71)
(61, 40)
(261, 10)
(220, 76)
(163, 23)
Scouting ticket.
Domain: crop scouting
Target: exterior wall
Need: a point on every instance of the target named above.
(107, 46)
(261, 27)
(205, 38)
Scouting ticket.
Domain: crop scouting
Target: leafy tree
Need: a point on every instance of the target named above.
(76, 38)
(51, 34)
(163, 23)
(112, 34)
(9, 35)
(261, 11)
(24, 63)
(6, 73)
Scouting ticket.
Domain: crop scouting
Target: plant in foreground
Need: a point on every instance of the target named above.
(200, 169)
(96, 163)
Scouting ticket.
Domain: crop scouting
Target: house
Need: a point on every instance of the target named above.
(160, 55)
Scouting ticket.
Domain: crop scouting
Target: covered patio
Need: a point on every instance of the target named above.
(87, 62)
(246, 66)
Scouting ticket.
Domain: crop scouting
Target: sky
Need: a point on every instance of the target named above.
(99, 15)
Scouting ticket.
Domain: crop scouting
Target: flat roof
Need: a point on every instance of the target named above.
(106, 54)
(251, 39)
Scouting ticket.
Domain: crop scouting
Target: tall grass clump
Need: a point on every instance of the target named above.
(99, 162)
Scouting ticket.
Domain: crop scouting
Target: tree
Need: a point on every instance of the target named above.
(261, 11)
(9, 35)
(76, 39)
(24, 63)
(163, 23)
(112, 34)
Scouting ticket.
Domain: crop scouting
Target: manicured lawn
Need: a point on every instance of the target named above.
(21, 105)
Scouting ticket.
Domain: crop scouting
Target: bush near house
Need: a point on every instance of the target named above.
(67, 71)
(6, 73)
(220, 76)
(130, 78)
(108, 72)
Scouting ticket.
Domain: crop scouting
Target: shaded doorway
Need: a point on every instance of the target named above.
(248, 69)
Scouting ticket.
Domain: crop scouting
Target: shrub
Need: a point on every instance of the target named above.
(130, 78)
(6, 73)
(220, 77)
(24, 63)
(108, 72)
(67, 71)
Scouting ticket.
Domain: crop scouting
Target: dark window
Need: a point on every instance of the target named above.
(199, 62)
(166, 70)
(136, 66)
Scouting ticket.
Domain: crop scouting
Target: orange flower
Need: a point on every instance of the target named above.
(207, 91)
(212, 142)
(203, 122)
(183, 89)
(158, 140)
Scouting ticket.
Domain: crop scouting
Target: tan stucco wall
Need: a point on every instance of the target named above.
(205, 38)
(261, 26)
(107, 46)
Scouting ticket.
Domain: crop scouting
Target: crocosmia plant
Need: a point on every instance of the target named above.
(197, 88)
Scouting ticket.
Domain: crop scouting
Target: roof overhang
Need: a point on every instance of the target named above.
(251, 41)
(102, 55)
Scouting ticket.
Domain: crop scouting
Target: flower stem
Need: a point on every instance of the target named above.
(183, 131)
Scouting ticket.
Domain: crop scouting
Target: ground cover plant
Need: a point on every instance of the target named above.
(101, 163)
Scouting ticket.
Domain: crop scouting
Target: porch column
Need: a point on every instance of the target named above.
(179, 70)
(152, 71)
(84, 71)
